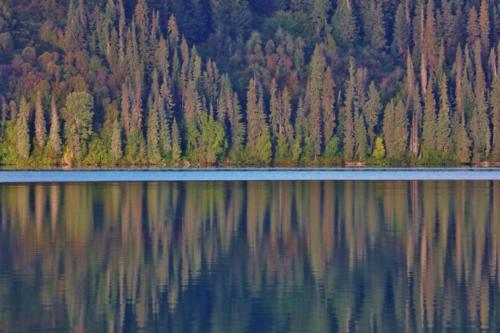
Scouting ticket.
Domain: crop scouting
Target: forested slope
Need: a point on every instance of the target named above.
(283, 82)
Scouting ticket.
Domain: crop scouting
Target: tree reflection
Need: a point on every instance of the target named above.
(247, 256)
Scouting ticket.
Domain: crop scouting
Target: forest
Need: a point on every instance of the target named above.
(249, 82)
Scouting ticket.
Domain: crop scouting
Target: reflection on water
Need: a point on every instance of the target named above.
(256, 256)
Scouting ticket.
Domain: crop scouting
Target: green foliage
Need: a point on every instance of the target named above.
(379, 150)
(78, 113)
(116, 80)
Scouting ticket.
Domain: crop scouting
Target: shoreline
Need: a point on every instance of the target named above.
(216, 175)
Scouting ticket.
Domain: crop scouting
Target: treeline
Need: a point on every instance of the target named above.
(252, 83)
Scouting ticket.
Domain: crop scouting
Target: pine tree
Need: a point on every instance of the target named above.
(349, 139)
(429, 121)
(484, 25)
(259, 145)
(362, 151)
(373, 109)
(237, 129)
(274, 110)
(78, 113)
(285, 135)
(176, 143)
(462, 141)
(373, 23)
(401, 31)
(314, 100)
(116, 141)
(153, 134)
(473, 27)
(344, 23)
(395, 129)
(22, 131)
(299, 132)
(320, 16)
(495, 105)
(40, 127)
(55, 128)
(481, 133)
(328, 106)
(443, 128)
(429, 38)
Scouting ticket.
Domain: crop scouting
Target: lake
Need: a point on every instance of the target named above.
(320, 255)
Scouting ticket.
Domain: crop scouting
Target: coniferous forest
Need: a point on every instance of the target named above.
(249, 82)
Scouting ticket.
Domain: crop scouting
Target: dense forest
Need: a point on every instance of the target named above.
(249, 82)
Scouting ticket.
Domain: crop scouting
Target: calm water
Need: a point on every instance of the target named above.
(305, 256)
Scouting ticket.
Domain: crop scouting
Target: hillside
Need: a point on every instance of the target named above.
(249, 82)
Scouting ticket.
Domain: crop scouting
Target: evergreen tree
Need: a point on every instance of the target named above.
(361, 138)
(116, 141)
(54, 140)
(462, 141)
(176, 143)
(349, 139)
(259, 148)
(22, 131)
(78, 113)
(328, 106)
(484, 25)
(373, 24)
(473, 28)
(401, 31)
(443, 128)
(495, 105)
(320, 16)
(285, 135)
(480, 125)
(373, 109)
(395, 130)
(344, 23)
(314, 100)
(429, 121)
(153, 134)
(40, 127)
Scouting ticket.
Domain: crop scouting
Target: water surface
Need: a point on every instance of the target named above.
(303, 256)
(276, 174)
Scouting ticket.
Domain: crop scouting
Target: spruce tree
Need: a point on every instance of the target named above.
(78, 113)
(176, 143)
(22, 131)
(320, 17)
(372, 110)
(373, 23)
(116, 141)
(40, 126)
(401, 31)
(259, 147)
(54, 140)
(473, 28)
(443, 128)
(429, 120)
(484, 25)
(480, 124)
(328, 106)
(495, 109)
(349, 139)
(153, 148)
(395, 129)
(314, 100)
(344, 23)
(462, 141)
